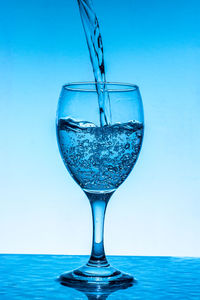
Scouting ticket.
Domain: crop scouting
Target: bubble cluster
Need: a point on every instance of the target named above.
(99, 158)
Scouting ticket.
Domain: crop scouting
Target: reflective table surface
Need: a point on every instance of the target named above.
(34, 277)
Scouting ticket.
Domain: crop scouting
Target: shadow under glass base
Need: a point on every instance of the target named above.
(88, 276)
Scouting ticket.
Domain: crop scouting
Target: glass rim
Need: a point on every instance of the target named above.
(120, 86)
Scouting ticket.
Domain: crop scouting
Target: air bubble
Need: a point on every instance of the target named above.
(127, 146)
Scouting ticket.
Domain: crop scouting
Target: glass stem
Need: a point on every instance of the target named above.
(98, 204)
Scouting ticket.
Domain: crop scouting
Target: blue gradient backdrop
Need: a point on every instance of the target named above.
(154, 44)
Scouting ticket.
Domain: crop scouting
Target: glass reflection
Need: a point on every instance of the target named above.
(98, 292)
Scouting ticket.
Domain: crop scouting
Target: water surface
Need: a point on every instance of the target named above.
(33, 277)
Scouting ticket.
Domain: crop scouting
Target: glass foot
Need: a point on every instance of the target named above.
(89, 276)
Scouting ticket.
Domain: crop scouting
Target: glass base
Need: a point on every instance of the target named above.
(90, 276)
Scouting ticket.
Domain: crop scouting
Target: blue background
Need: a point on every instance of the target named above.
(154, 44)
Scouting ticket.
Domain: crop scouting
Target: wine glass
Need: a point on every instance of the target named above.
(99, 158)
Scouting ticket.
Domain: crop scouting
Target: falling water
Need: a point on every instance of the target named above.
(95, 46)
